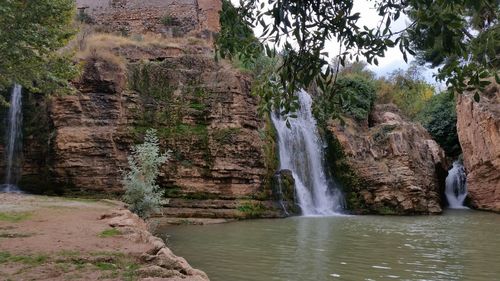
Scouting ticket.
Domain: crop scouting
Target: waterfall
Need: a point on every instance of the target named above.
(456, 189)
(13, 142)
(301, 151)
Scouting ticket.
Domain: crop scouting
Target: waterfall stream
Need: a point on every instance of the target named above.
(456, 188)
(13, 142)
(301, 151)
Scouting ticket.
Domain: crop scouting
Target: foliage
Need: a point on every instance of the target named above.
(14, 217)
(83, 17)
(439, 117)
(141, 191)
(252, 209)
(301, 28)
(354, 95)
(29, 260)
(236, 35)
(110, 233)
(407, 89)
(463, 37)
(167, 20)
(31, 33)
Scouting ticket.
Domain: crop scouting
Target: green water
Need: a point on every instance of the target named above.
(459, 245)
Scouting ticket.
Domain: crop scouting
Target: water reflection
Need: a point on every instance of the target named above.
(460, 245)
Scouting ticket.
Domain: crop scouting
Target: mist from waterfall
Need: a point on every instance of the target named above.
(456, 188)
(13, 145)
(301, 151)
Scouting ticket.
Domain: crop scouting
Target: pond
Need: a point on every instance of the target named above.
(458, 245)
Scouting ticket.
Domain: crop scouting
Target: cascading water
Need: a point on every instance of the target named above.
(456, 188)
(301, 151)
(13, 142)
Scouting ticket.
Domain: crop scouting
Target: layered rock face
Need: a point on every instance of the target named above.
(392, 166)
(222, 157)
(91, 141)
(175, 18)
(203, 112)
(478, 126)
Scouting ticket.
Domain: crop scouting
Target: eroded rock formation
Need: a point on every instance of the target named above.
(478, 125)
(390, 167)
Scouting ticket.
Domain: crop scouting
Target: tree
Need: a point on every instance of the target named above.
(407, 89)
(31, 33)
(461, 37)
(301, 28)
(141, 192)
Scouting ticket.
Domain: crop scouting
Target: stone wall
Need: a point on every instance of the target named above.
(168, 17)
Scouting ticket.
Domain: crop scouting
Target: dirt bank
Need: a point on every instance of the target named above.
(52, 238)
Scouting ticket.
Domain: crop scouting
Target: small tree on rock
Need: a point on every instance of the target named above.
(141, 192)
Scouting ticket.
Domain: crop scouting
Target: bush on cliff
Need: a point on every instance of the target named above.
(141, 192)
(354, 96)
(439, 117)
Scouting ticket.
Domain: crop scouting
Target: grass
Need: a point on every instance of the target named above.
(29, 260)
(106, 266)
(117, 62)
(106, 41)
(252, 210)
(14, 217)
(110, 233)
(114, 265)
(14, 235)
(226, 136)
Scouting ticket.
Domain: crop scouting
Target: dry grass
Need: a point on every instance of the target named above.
(114, 42)
(113, 48)
(104, 55)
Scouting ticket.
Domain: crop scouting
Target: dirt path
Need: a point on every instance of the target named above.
(51, 238)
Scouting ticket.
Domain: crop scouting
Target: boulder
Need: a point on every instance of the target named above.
(390, 167)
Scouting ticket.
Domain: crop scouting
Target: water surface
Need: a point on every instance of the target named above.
(459, 245)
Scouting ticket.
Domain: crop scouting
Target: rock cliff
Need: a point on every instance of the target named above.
(478, 125)
(223, 156)
(203, 112)
(391, 167)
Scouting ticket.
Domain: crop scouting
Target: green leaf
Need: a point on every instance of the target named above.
(476, 97)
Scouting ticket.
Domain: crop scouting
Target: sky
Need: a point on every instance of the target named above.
(393, 58)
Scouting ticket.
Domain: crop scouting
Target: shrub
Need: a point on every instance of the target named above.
(354, 95)
(84, 17)
(167, 20)
(440, 119)
(141, 192)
